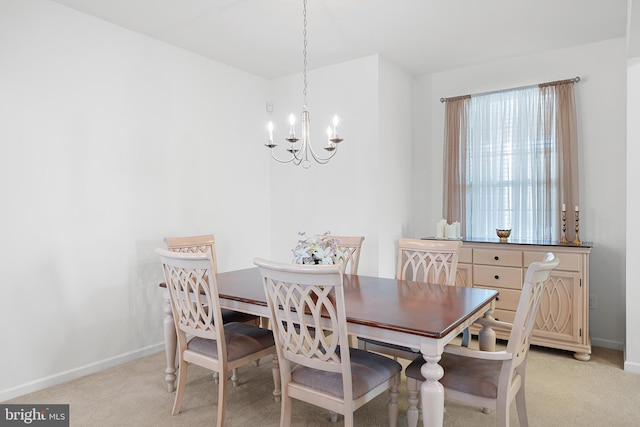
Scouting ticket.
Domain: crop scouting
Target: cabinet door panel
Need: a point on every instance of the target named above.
(560, 308)
(463, 275)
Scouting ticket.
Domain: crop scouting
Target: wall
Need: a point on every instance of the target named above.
(600, 98)
(632, 347)
(358, 192)
(110, 141)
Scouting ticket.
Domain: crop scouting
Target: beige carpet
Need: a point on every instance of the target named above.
(561, 391)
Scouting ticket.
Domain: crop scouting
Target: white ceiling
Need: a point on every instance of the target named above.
(264, 37)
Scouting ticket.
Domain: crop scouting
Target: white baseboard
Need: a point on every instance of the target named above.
(72, 374)
(614, 345)
(632, 367)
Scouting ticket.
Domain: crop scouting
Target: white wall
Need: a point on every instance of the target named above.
(632, 348)
(108, 142)
(394, 175)
(354, 194)
(600, 98)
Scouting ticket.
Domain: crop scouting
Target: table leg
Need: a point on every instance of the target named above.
(170, 345)
(487, 336)
(432, 392)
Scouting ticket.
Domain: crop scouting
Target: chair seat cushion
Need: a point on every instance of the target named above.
(477, 377)
(384, 344)
(242, 340)
(368, 370)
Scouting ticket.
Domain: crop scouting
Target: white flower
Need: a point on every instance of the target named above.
(317, 250)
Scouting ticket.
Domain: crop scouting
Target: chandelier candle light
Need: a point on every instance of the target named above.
(303, 153)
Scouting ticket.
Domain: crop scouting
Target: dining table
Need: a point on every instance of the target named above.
(423, 316)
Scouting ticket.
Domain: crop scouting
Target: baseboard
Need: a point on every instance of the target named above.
(72, 374)
(632, 367)
(614, 345)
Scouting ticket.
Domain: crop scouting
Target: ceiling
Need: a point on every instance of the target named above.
(264, 37)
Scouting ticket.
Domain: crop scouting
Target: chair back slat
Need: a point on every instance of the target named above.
(193, 293)
(530, 297)
(350, 246)
(432, 261)
(306, 303)
(194, 244)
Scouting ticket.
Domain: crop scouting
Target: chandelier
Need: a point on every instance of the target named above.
(302, 153)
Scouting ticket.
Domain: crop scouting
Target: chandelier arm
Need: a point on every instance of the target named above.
(296, 160)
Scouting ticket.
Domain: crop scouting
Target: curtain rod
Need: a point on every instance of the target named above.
(573, 80)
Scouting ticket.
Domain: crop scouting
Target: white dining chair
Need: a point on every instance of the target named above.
(206, 243)
(317, 365)
(350, 246)
(203, 338)
(490, 379)
(430, 261)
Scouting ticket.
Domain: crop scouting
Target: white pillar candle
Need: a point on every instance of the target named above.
(564, 207)
(440, 229)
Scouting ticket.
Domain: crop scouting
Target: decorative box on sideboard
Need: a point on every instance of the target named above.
(563, 319)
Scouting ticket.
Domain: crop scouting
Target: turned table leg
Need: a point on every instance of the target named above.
(170, 347)
(432, 392)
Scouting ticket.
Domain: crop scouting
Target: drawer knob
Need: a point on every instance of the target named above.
(497, 258)
(497, 298)
(496, 277)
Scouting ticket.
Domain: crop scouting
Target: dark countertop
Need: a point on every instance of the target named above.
(519, 242)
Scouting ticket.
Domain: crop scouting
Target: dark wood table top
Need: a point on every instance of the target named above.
(417, 308)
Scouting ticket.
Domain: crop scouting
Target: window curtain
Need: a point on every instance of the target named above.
(455, 153)
(559, 106)
(549, 161)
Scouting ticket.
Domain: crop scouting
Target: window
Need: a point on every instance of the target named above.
(505, 163)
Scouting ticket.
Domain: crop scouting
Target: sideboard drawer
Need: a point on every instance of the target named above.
(502, 257)
(497, 277)
(568, 262)
(507, 299)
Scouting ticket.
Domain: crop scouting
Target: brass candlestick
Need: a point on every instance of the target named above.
(563, 239)
(577, 241)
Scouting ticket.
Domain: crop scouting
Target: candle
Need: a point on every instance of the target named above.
(292, 129)
(270, 127)
(577, 208)
(329, 135)
(564, 207)
(335, 126)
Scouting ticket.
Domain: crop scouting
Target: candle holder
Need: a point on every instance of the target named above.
(563, 239)
(577, 240)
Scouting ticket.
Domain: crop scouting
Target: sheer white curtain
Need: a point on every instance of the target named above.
(511, 167)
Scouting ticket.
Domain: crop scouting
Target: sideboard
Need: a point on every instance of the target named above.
(563, 319)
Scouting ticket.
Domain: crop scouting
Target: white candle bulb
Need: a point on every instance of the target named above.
(564, 207)
(577, 208)
(292, 129)
(270, 128)
(335, 126)
(329, 134)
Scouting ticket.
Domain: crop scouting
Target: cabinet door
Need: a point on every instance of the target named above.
(463, 275)
(559, 314)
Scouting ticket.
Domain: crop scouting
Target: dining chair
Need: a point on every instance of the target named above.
(218, 346)
(350, 246)
(206, 244)
(429, 261)
(317, 366)
(490, 379)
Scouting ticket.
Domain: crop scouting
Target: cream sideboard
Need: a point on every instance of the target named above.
(563, 319)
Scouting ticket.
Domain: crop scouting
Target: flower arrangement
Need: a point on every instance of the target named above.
(317, 250)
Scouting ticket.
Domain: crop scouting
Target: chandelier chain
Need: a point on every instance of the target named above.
(304, 51)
